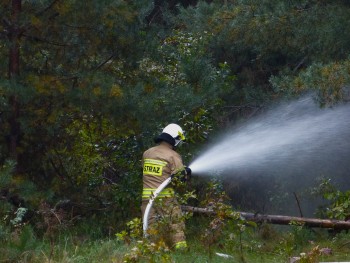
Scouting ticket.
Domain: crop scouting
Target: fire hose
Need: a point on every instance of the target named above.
(150, 203)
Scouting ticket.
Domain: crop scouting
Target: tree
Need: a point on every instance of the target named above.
(88, 100)
(14, 32)
(73, 58)
(260, 40)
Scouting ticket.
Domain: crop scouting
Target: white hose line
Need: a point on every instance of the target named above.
(150, 203)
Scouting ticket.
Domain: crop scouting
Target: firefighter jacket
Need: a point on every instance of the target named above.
(159, 163)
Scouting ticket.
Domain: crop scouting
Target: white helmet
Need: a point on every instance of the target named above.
(172, 134)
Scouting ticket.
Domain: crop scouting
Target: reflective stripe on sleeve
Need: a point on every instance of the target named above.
(148, 192)
(181, 245)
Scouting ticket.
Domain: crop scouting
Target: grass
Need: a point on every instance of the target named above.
(265, 244)
(69, 252)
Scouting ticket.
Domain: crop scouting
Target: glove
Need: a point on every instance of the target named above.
(188, 171)
(184, 175)
(187, 174)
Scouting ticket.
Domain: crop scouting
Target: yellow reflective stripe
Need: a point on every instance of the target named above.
(153, 161)
(153, 167)
(181, 244)
(167, 192)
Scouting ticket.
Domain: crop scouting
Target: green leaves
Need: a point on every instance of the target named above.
(329, 81)
(339, 201)
(6, 174)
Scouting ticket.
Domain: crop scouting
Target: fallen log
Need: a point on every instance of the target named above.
(280, 219)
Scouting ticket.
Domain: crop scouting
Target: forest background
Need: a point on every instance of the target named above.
(85, 86)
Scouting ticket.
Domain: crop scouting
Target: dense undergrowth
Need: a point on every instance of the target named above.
(263, 243)
(220, 236)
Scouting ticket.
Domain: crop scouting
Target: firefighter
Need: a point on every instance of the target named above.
(159, 163)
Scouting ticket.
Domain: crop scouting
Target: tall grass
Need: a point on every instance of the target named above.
(265, 243)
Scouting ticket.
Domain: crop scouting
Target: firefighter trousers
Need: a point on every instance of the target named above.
(166, 210)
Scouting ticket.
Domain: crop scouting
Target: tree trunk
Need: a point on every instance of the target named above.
(279, 219)
(14, 36)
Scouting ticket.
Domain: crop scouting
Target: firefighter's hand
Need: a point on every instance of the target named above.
(184, 175)
(188, 171)
(187, 174)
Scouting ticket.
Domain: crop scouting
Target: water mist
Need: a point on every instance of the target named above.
(286, 138)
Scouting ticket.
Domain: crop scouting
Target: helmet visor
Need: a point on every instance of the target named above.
(180, 136)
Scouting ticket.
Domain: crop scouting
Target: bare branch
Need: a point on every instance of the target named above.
(298, 203)
(38, 39)
(40, 13)
(299, 64)
(53, 212)
(105, 62)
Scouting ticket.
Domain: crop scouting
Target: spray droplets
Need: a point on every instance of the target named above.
(287, 137)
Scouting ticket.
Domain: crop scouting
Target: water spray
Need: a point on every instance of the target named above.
(288, 137)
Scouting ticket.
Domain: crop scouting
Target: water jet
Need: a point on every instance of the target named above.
(286, 137)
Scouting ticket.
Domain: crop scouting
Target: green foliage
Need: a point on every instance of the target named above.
(339, 201)
(143, 248)
(329, 81)
(179, 79)
(16, 193)
(199, 126)
(5, 208)
(97, 83)
(20, 213)
(67, 249)
(133, 231)
(6, 174)
(73, 60)
(224, 220)
(152, 252)
(22, 240)
(80, 248)
(311, 257)
(101, 162)
(261, 40)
